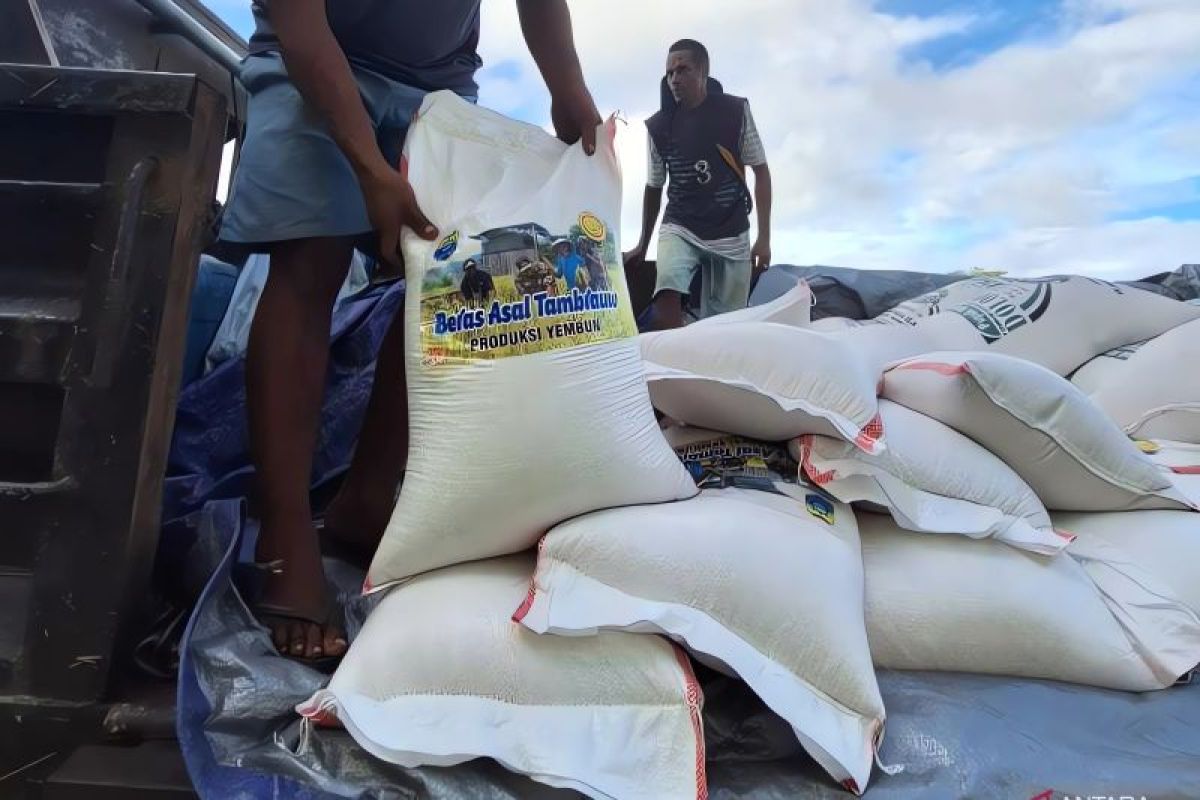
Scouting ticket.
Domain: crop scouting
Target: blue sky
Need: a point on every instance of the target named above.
(1028, 135)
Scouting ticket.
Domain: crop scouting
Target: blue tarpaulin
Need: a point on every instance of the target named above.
(954, 735)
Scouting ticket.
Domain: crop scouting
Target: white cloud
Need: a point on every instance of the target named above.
(1018, 158)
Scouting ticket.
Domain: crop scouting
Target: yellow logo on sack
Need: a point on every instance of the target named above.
(592, 226)
(1150, 448)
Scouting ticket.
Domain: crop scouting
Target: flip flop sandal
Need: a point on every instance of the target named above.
(251, 580)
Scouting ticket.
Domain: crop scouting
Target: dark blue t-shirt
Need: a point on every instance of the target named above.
(418, 43)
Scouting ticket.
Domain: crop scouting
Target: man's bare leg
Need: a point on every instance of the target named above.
(364, 504)
(668, 310)
(286, 365)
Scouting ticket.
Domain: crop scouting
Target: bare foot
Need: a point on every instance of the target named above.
(295, 602)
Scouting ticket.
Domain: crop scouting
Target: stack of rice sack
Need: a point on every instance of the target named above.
(1008, 524)
(553, 564)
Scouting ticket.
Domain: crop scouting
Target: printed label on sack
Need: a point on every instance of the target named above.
(998, 306)
(1124, 352)
(732, 461)
(520, 289)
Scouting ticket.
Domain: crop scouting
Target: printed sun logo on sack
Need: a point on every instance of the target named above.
(521, 289)
(592, 226)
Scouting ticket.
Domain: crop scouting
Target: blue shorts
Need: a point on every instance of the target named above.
(292, 181)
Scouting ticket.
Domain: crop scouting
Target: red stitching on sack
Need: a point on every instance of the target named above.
(851, 785)
(1188, 470)
(1070, 537)
(819, 478)
(521, 611)
(694, 698)
(934, 366)
(870, 435)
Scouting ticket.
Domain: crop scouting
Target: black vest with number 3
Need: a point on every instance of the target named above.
(704, 193)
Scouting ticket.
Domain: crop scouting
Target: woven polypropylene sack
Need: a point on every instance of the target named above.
(955, 604)
(753, 583)
(1059, 322)
(932, 479)
(441, 675)
(1071, 455)
(528, 404)
(774, 382)
(1164, 543)
(1155, 392)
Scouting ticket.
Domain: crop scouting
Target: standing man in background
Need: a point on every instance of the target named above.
(700, 142)
(333, 87)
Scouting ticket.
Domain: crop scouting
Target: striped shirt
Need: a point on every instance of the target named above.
(734, 248)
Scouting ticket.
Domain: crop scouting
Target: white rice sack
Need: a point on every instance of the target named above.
(1059, 322)
(775, 382)
(531, 407)
(834, 324)
(440, 675)
(1101, 369)
(934, 480)
(755, 584)
(1181, 462)
(1071, 455)
(1166, 544)
(959, 605)
(793, 307)
(1155, 392)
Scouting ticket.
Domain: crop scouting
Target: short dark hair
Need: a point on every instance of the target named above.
(698, 51)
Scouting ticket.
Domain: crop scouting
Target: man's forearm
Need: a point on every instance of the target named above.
(319, 69)
(651, 205)
(546, 25)
(762, 200)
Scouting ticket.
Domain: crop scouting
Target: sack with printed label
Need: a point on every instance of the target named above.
(954, 604)
(934, 480)
(1153, 392)
(775, 382)
(1097, 372)
(1059, 322)
(723, 461)
(1071, 455)
(753, 583)
(440, 675)
(527, 402)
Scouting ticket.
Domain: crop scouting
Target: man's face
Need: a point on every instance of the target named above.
(685, 78)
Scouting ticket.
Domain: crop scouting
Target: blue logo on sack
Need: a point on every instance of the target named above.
(820, 508)
(446, 247)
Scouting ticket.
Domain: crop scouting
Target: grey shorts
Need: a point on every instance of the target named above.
(292, 181)
(725, 282)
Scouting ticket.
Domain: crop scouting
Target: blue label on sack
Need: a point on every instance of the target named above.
(820, 508)
(446, 247)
